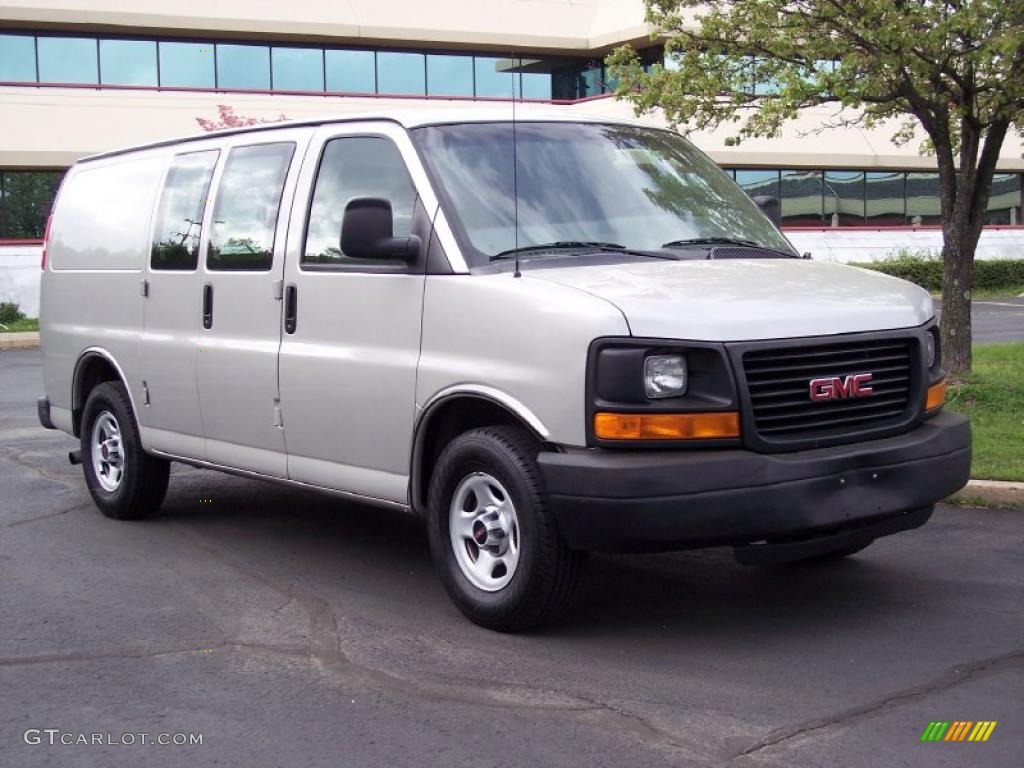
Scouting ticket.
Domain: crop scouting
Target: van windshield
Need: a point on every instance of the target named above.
(578, 183)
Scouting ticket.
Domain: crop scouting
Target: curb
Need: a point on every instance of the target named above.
(24, 340)
(990, 493)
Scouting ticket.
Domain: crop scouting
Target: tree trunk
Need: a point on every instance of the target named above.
(958, 258)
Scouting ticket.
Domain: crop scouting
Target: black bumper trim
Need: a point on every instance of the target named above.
(43, 411)
(646, 501)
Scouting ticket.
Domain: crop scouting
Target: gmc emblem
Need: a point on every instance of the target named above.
(841, 387)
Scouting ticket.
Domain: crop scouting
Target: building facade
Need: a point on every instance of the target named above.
(79, 77)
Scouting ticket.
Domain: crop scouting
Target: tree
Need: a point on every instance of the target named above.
(228, 119)
(953, 69)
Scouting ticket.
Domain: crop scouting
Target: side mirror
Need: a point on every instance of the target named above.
(770, 207)
(367, 232)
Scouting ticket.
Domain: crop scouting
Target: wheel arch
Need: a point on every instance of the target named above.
(452, 412)
(95, 366)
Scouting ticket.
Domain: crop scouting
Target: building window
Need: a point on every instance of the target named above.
(128, 62)
(297, 69)
(885, 197)
(449, 75)
(25, 201)
(187, 65)
(844, 198)
(17, 59)
(800, 192)
(350, 71)
(923, 203)
(68, 60)
(401, 73)
(756, 183)
(246, 67)
(494, 77)
(1005, 201)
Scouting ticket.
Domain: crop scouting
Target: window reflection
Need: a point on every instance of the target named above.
(187, 65)
(801, 198)
(25, 201)
(17, 58)
(494, 77)
(355, 167)
(844, 198)
(245, 214)
(298, 69)
(757, 183)
(401, 73)
(1005, 201)
(923, 204)
(67, 60)
(885, 197)
(243, 66)
(350, 71)
(128, 62)
(179, 219)
(449, 75)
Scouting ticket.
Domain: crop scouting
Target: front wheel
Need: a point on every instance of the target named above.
(494, 542)
(125, 482)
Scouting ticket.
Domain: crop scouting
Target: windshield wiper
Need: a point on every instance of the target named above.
(726, 241)
(574, 245)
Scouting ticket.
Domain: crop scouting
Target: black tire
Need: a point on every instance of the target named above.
(548, 572)
(143, 482)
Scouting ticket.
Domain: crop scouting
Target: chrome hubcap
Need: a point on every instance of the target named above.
(484, 532)
(107, 459)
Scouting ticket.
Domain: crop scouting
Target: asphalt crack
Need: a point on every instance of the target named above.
(956, 675)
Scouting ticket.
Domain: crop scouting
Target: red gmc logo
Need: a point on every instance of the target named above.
(841, 387)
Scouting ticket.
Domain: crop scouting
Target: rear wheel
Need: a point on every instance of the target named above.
(494, 542)
(125, 482)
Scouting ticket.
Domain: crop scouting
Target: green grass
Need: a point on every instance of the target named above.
(17, 326)
(993, 397)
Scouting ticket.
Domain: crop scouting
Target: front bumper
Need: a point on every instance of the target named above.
(630, 501)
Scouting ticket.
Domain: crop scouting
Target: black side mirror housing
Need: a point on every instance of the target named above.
(770, 207)
(367, 232)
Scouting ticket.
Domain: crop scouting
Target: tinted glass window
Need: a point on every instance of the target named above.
(26, 198)
(494, 77)
(350, 71)
(243, 66)
(844, 197)
(923, 204)
(67, 60)
(401, 73)
(535, 85)
(884, 196)
(355, 167)
(801, 197)
(186, 65)
(128, 62)
(298, 69)
(1004, 202)
(637, 187)
(450, 75)
(17, 58)
(756, 183)
(179, 219)
(245, 214)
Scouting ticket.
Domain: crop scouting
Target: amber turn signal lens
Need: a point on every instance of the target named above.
(666, 426)
(936, 396)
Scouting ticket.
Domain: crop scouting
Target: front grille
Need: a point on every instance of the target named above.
(778, 383)
(737, 252)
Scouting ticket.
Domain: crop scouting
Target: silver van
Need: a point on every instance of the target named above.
(544, 338)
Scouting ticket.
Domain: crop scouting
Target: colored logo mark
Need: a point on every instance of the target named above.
(958, 730)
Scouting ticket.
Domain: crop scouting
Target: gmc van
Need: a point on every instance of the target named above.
(543, 338)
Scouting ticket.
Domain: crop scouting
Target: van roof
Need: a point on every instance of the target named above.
(413, 117)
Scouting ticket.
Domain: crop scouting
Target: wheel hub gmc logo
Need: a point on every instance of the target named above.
(841, 387)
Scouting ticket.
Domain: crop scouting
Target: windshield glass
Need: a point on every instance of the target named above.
(588, 182)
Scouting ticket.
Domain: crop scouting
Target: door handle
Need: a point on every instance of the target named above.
(207, 306)
(291, 307)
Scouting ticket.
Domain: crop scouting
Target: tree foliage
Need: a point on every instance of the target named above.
(952, 70)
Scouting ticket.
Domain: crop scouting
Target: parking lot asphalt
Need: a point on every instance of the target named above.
(291, 629)
(994, 321)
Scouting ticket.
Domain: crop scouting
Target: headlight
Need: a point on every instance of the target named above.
(929, 349)
(664, 376)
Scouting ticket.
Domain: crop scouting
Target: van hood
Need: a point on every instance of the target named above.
(747, 299)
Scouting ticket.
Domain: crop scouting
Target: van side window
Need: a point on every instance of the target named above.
(179, 219)
(245, 214)
(358, 166)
